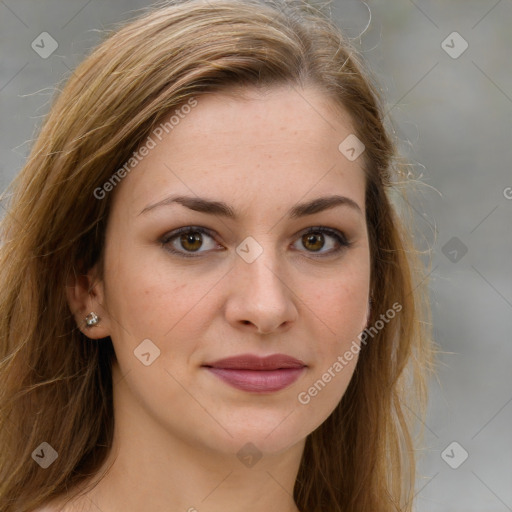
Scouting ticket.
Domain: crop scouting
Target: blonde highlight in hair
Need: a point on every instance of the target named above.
(57, 384)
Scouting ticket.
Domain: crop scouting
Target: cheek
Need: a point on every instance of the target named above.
(341, 304)
(339, 314)
(345, 317)
(155, 301)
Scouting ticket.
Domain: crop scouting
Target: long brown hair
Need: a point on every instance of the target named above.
(57, 383)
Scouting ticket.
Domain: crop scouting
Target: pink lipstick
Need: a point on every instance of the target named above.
(258, 374)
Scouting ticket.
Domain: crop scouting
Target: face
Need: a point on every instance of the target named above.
(239, 266)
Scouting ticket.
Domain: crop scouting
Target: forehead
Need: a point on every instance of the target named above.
(277, 144)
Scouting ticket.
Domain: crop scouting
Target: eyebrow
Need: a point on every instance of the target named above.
(222, 209)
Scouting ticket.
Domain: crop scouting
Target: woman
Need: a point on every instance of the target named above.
(208, 300)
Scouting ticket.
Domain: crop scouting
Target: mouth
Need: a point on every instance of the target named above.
(256, 374)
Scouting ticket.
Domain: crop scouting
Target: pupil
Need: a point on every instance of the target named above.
(316, 242)
(194, 239)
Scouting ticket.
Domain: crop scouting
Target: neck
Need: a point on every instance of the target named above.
(152, 469)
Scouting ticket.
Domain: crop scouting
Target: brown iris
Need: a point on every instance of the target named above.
(313, 241)
(191, 241)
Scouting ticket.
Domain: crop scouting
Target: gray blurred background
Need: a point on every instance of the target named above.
(452, 110)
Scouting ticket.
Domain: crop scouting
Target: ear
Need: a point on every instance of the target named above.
(85, 294)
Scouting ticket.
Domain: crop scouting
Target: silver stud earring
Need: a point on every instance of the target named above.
(92, 319)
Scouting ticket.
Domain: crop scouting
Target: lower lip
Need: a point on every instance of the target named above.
(258, 381)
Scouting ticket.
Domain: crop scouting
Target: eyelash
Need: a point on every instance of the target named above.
(337, 235)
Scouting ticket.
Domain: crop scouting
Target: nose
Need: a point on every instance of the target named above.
(260, 297)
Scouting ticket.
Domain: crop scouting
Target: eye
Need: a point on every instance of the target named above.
(192, 241)
(189, 240)
(314, 240)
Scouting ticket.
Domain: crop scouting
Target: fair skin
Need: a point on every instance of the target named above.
(178, 427)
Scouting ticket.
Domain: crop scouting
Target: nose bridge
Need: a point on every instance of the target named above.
(260, 294)
(259, 267)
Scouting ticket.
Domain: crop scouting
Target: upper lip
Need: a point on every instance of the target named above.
(254, 362)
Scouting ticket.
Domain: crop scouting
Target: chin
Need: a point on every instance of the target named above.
(268, 433)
